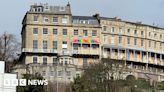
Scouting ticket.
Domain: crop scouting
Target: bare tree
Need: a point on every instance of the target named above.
(9, 48)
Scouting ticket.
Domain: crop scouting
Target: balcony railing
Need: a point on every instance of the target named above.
(39, 50)
(62, 52)
(85, 52)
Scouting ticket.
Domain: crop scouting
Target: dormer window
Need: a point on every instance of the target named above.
(62, 8)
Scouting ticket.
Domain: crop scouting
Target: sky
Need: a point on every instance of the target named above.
(147, 11)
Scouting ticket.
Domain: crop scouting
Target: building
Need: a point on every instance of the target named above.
(51, 34)
(5, 86)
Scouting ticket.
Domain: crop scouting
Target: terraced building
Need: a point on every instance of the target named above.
(52, 35)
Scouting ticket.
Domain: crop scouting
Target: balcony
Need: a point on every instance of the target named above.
(63, 52)
(39, 50)
(86, 52)
(68, 53)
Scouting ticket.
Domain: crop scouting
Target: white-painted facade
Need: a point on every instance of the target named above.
(6, 76)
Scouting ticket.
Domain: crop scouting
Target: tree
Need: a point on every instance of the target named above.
(9, 49)
(107, 76)
(31, 88)
(99, 77)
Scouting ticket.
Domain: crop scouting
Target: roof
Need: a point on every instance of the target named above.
(135, 23)
(84, 17)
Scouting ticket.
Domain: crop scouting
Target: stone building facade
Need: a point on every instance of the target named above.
(52, 35)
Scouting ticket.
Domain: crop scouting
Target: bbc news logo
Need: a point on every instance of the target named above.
(24, 82)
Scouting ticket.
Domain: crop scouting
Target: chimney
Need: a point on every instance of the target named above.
(97, 15)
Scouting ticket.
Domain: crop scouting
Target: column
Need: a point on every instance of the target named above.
(127, 54)
(147, 60)
(161, 60)
(135, 59)
(141, 58)
(118, 54)
(110, 55)
(80, 49)
(125, 57)
(155, 59)
(150, 57)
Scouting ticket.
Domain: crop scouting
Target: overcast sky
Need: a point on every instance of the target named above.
(147, 11)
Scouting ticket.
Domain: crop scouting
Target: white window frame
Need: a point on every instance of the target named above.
(34, 29)
(43, 59)
(64, 20)
(33, 59)
(37, 18)
(45, 45)
(45, 18)
(45, 30)
(55, 18)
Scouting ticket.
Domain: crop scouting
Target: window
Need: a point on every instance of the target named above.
(35, 30)
(142, 33)
(128, 54)
(113, 29)
(44, 44)
(155, 44)
(64, 20)
(62, 8)
(60, 73)
(45, 19)
(64, 46)
(51, 73)
(94, 46)
(135, 32)
(54, 60)
(128, 39)
(105, 39)
(85, 62)
(54, 44)
(35, 19)
(149, 43)
(44, 73)
(85, 46)
(35, 59)
(142, 42)
(75, 46)
(85, 32)
(120, 39)
(128, 31)
(135, 41)
(44, 60)
(55, 20)
(55, 31)
(104, 28)
(64, 31)
(160, 36)
(64, 42)
(35, 44)
(66, 62)
(68, 73)
(75, 32)
(112, 39)
(155, 35)
(149, 34)
(45, 30)
(120, 30)
(161, 45)
(94, 32)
